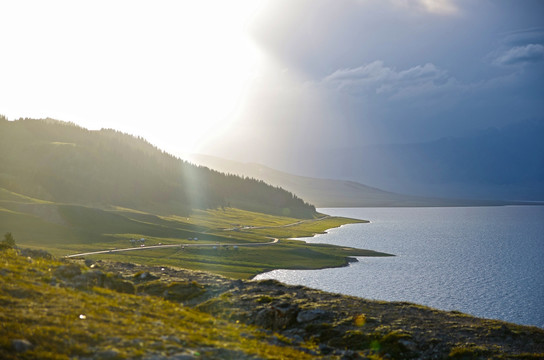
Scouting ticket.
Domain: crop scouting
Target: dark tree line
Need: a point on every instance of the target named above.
(65, 163)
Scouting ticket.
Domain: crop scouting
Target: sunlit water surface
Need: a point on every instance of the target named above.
(485, 261)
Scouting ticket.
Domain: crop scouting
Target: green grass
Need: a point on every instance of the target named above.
(244, 262)
(64, 229)
(49, 304)
(62, 322)
(6, 195)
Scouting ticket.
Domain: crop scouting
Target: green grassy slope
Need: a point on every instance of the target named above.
(52, 309)
(70, 190)
(64, 163)
(69, 229)
(63, 322)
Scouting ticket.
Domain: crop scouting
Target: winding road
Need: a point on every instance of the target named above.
(274, 241)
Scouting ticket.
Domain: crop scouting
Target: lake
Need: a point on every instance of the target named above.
(484, 261)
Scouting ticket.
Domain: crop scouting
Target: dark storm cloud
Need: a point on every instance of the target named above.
(342, 74)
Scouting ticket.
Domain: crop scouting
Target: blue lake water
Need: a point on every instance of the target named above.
(484, 261)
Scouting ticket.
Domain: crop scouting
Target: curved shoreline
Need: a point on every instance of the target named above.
(348, 259)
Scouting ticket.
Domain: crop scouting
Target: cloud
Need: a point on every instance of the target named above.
(531, 53)
(438, 7)
(522, 37)
(376, 78)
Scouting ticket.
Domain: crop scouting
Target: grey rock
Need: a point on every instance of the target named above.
(119, 285)
(410, 345)
(295, 334)
(146, 276)
(135, 342)
(109, 354)
(89, 262)
(172, 338)
(35, 253)
(88, 279)
(325, 349)
(265, 318)
(309, 315)
(67, 271)
(21, 345)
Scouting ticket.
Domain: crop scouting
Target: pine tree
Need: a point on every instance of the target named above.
(8, 242)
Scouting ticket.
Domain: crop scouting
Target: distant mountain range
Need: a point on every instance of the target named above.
(329, 192)
(499, 163)
(64, 163)
(504, 163)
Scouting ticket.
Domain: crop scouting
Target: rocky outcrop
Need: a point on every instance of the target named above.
(313, 322)
(175, 291)
(73, 275)
(342, 326)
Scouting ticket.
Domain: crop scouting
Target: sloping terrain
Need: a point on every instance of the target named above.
(55, 309)
(225, 241)
(64, 163)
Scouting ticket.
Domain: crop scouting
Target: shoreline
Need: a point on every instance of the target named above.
(184, 312)
(417, 272)
(348, 259)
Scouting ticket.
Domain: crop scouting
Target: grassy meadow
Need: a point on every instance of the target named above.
(105, 324)
(65, 229)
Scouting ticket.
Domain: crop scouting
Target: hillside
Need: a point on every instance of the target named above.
(227, 241)
(55, 309)
(328, 192)
(64, 163)
(70, 190)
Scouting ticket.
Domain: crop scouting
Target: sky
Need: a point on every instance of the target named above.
(340, 73)
(170, 71)
(275, 81)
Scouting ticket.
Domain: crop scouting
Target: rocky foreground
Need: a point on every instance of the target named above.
(338, 322)
(309, 323)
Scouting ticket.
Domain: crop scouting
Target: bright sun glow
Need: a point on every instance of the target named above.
(173, 72)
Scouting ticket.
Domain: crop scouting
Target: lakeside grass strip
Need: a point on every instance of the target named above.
(70, 229)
